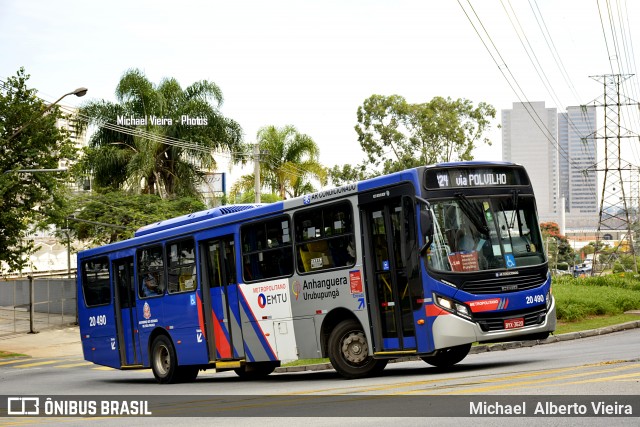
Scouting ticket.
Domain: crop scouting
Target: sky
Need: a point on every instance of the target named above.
(310, 64)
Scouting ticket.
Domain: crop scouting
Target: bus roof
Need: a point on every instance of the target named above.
(230, 213)
(472, 163)
(193, 217)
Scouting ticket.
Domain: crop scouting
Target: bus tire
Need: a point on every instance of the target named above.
(447, 357)
(349, 352)
(164, 361)
(256, 370)
(187, 374)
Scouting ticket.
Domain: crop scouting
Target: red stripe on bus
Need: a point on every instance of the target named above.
(222, 344)
(433, 310)
(201, 316)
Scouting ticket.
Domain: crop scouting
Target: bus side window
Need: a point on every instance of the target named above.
(151, 267)
(96, 282)
(266, 249)
(324, 237)
(181, 258)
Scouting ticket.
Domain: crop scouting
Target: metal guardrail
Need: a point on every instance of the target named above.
(33, 304)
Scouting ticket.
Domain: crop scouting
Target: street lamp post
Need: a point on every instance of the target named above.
(81, 91)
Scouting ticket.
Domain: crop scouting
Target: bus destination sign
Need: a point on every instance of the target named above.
(469, 177)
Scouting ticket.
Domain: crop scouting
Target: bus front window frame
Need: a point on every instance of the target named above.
(484, 233)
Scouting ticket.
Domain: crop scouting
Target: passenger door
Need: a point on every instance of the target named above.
(393, 285)
(220, 300)
(125, 310)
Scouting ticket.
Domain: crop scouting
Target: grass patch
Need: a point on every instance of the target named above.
(596, 322)
(579, 299)
(7, 354)
(304, 362)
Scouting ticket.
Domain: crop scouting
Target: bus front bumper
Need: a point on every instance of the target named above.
(450, 330)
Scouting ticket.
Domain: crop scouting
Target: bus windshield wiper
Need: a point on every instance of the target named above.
(474, 213)
(516, 198)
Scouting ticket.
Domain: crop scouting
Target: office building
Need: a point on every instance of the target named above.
(529, 133)
(578, 176)
(559, 152)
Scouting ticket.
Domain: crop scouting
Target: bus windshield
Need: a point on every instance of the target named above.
(485, 233)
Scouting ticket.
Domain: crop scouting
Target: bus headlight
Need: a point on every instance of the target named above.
(443, 302)
(452, 306)
(548, 299)
(463, 310)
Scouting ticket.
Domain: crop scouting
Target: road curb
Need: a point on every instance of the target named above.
(484, 348)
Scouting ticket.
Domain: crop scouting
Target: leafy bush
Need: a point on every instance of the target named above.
(578, 298)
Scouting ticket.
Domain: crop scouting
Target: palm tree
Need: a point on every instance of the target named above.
(162, 154)
(291, 160)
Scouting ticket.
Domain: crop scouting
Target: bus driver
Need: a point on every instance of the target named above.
(150, 286)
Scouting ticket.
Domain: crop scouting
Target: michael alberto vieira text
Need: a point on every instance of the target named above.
(594, 408)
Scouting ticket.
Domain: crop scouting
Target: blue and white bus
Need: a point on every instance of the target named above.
(422, 262)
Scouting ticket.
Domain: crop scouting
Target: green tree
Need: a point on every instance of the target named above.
(559, 249)
(150, 156)
(291, 161)
(29, 200)
(346, 174)
(111, 216)
(397, 135)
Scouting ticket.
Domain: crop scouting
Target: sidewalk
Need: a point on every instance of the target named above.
(57, 342)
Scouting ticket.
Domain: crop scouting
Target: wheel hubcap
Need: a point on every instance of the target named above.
(354, 348)
(163, 360)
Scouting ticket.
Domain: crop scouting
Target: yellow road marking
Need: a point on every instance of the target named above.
(29, 365)
(404, 385)
(614, 378)
(538, 381)
(73, 365)
(10, 362)
(103, 368)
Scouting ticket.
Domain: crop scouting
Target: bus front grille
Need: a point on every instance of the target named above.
(501, 285)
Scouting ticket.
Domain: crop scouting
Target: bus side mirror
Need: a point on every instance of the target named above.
(426, 222)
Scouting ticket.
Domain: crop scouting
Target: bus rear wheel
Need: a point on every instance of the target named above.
(164, 363)
(349, 352)
(447, 357)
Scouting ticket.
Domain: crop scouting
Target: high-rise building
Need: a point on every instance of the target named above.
(559, 152)
(529, 137)
(578, 175)
(79, 140)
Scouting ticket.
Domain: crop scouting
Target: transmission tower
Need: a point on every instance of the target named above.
(614, 210)
(634, 195)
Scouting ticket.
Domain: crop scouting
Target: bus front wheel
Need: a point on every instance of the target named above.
(164, 363)
(349, 352)
(447, 357)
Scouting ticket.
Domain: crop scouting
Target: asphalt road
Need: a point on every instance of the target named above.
(597, 368)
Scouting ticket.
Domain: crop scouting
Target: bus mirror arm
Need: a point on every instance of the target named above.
(426, 224)
(426, 246)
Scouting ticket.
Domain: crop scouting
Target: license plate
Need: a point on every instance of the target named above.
(514, 323)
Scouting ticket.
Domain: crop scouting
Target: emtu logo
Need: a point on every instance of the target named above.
(262, 301)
